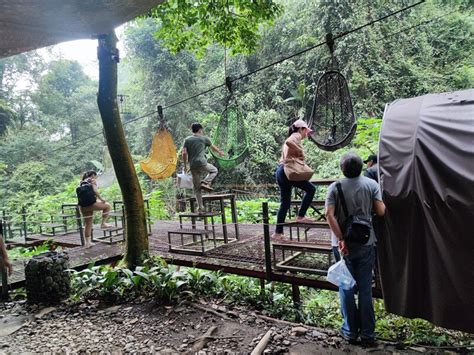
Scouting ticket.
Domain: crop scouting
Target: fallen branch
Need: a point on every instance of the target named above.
(262, 344)
(270, 319)
(202, 341)
(211, 337)
(219, 314)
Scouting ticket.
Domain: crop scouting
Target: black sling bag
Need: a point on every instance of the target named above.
(354, 230)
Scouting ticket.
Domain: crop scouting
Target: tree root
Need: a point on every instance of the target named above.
(202, 341)
(219, 314)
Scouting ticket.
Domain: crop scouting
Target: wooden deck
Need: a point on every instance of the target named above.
(245, 256)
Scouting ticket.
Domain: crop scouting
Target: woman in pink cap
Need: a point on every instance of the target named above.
(292, 148)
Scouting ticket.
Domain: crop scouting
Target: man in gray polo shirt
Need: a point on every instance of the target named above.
(194, 151)
(362, 196)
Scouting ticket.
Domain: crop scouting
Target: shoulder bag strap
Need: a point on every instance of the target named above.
(343, 200)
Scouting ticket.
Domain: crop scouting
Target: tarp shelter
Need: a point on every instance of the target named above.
(426, 244)
(32, 24)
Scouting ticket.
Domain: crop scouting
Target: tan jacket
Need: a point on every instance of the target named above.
(289, 152)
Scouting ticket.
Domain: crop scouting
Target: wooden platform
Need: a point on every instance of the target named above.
(245, 256)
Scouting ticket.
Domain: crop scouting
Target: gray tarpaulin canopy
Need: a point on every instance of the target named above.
(426, 244)
(32, 24)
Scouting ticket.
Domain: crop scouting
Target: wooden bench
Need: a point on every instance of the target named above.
(316, 205)
(306, 227)
(110, 235)
(300, 249)
(50, 229)
(190, 247)
(221, 199)
(199, 236)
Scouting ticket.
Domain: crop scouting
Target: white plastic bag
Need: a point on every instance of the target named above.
(185, 181)
(339, 275)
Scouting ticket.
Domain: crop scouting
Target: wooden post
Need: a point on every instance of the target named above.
(266, 239)
(5, 295)
(262, 288)
(79, 226)
(295, 292)
(3, 271)
(23, 216)
(136, 235)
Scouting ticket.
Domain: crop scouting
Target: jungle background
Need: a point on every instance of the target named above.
(45, 126)
(51, 132)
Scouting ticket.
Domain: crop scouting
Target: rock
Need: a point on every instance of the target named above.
(286, 343)
(110, 310)
(298, 331)
(278, 337)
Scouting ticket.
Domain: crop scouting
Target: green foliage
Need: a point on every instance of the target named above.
(162, 282)
(118, 284)
(251, 211)
(195, 25)
(19, 253)
(367, 136)
(157, 205)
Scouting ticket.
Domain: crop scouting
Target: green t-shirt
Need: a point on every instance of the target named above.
(196, 149)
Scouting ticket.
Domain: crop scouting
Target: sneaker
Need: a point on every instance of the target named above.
(352, 341)
(368, 343)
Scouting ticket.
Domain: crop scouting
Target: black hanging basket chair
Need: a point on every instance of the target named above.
(332, 117)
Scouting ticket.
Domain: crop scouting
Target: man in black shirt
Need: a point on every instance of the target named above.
(372, 168)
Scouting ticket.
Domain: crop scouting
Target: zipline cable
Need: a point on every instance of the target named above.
(245, 75)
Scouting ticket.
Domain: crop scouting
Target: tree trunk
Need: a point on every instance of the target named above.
(136, 232)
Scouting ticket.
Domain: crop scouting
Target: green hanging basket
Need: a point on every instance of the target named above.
(231, 137)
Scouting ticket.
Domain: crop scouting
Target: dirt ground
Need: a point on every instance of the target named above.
(147, 327)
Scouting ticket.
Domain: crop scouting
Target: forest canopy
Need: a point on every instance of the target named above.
(45, 127)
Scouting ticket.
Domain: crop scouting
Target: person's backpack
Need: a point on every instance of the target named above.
(354, 229)
(85, 194)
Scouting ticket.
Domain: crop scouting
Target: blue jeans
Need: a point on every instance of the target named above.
(359, 320)
(285, 196)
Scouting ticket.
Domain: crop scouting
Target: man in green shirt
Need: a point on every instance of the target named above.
(194, 152)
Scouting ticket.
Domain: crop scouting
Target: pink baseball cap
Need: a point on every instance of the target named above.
(302, 124)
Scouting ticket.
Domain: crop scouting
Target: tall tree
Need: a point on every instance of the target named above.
(60, 97)
(189, 16)
(136, 231)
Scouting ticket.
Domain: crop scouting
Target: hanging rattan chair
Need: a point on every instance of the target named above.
(231, 136)
(332, 117)
(163, 158)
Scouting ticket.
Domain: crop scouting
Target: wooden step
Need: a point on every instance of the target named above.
(115, 214)
(66, 215)
(199, 215)
(190, 231)
(313, 203)
(307, 225)
(294, 245)
(110, 239)
(52, 225)
(111, 229)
